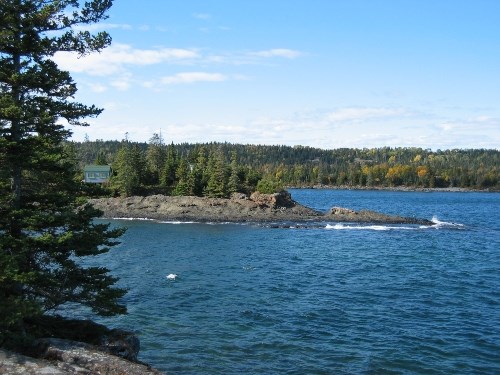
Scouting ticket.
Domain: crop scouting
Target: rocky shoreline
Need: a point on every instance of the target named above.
(74, 347)
(260, 208)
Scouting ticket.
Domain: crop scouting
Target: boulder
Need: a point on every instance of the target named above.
(341, 211)
(276, 200)
(121, 343)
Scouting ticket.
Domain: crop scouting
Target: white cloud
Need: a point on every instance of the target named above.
(278, 52)
(113, 59)
(469, 127)
(309, 128)
(365, 114)
(192, 77)
(102, 26)
(202, 16)
(97, 87)
(121, 84)
(119, 58)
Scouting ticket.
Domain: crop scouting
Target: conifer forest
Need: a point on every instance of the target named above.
(219, 169)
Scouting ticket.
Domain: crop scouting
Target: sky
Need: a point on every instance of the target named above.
(319, 73)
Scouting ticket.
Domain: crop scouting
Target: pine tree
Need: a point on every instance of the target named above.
(217, 181)
(182, 177)
(155, 156)
(101, 158)
(234, 183)
(170, 167)
(128, 167)
(198, 176)
(44, 228)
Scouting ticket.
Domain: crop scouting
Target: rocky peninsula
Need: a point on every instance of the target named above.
(260, 208)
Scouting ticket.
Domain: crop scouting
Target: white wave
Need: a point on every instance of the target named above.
(177, 222)
(153, 220)
(339, 226)
(133, 218)
(171, 276)
(444, 224)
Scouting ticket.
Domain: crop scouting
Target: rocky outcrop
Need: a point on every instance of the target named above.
(275, 201)
(341, 214)
(75, 347)
(239, 208)
(279, 207)
(65, 357)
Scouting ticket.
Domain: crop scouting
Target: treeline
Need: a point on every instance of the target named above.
(218, 169)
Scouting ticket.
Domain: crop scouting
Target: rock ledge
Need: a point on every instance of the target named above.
(66, 357)
(262, 208)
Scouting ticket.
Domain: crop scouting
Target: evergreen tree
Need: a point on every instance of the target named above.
(129, 168)
(234, 183)
(44, 228)
(198, 176)
(101, 159)
(170, 167)
(182, 177)
(155, 156)
(217, 180)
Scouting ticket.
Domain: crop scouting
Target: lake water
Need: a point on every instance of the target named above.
(324, 299)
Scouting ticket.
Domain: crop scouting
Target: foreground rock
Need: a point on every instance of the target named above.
(75, 347)
(65, 357)
(258, 207)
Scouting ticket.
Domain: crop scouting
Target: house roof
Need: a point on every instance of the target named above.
(97, 168)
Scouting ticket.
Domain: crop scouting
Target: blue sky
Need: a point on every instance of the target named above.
(321, 73)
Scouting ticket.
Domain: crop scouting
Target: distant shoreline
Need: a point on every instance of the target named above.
(396, 188)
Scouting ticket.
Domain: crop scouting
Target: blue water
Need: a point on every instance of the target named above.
(325, 299)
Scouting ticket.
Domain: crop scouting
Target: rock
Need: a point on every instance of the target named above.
(121, 343)
(236, 196)
(341, 211)
(66, 357)
(258, 208)
(278, 207)
(14, 364)
(114, 341)
(71, 346)
(276, 200)
(365, 216)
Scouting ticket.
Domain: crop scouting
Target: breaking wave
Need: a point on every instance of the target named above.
(340, 226)
(444, 224)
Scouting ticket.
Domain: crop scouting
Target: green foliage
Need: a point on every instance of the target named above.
(269, 186)
(129, 168)
(218, 176)
(44, 230)
(234, 183)
(306, 166)
(101, 159)
(155, 158)
(170, 167)
(183, 186)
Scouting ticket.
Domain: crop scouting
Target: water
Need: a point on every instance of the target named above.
(324, 299)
